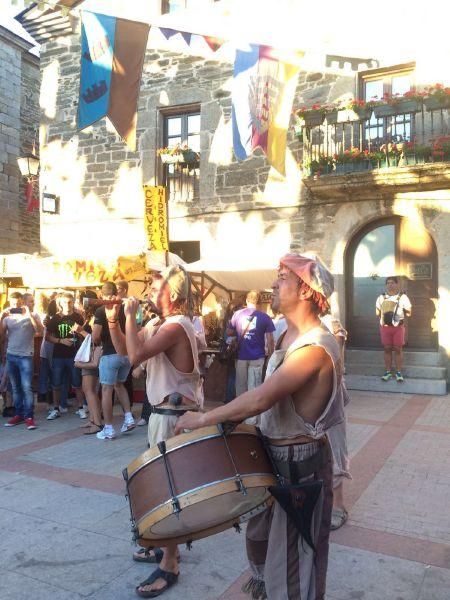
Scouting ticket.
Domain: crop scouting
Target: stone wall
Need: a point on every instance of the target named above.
(19, 118)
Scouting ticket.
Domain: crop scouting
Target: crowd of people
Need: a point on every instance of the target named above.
(285, 375)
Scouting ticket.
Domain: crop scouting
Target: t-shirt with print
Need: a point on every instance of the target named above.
(100, 319)
(255, 324)
(404, 303)
(60, 326)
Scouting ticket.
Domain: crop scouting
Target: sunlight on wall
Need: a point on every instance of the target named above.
(443, 310)
(127, 199)
(283, 191)
(49, 89)
(221, 150)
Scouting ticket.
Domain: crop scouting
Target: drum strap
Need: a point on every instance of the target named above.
(171, 412)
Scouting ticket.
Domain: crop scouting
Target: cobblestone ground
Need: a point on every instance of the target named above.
(66, 532)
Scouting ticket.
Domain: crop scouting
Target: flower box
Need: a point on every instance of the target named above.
(190, 158)
(384, 110)
(433, 103)
(332, 117)
(407, 106)
(313, 118)
(362, 113)
(171, 159)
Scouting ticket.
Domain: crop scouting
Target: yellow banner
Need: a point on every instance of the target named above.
(156, 217)
(50, 272)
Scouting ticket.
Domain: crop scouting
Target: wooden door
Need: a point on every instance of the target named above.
(394, 246)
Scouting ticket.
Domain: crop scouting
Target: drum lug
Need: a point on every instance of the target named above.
(189, 545)
(240, 485)
(175, 502)
(237, 528)
(125, 474)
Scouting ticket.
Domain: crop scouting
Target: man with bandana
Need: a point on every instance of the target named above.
(168, 345)
(299, 401)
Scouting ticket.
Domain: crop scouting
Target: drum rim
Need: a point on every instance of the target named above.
(267, 480)
(153, 453)
(204, 533)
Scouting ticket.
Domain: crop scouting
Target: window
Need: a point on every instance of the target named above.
(171, 6)
(182, 179)
(188, 251)
(374, 85)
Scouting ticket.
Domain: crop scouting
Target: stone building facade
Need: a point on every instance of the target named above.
(247, 208)
(19, 123)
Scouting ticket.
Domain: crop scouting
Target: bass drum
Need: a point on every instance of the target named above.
(198, 484)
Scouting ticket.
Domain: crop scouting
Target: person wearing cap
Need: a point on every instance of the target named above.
(299, 401)
(168, 346)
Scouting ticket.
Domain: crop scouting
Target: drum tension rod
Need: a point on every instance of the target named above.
(239, 483)
(175, 502)
(134, 529)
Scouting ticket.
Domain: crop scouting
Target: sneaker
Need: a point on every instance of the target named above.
(399, 377)
(30, 424)
(53, 414)
(81, 413)
(63, 410)
(15, 421)
(106, 434)
(141, 422)
(387, 376)
(128, 425)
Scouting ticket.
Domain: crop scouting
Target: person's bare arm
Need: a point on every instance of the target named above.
(293, 374)
(35, 321)
(164, 339)
(270, 343)
(97, 334)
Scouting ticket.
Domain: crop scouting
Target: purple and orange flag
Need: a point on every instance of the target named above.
(112, 57)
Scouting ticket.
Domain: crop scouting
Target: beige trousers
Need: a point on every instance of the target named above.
(248, 376)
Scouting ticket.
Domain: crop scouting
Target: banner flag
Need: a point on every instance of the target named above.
(112, 57)
(97, 47)
(263, 91)
(156, 225)
(128, 61)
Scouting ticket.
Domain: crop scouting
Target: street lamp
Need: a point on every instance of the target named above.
(29, 168)
(28, 165)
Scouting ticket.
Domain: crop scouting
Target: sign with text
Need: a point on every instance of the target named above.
(420, 271)
(155, 219)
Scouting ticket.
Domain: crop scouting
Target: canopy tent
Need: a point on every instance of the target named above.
(209, 275)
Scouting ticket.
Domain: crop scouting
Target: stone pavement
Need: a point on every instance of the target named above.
(65, 521)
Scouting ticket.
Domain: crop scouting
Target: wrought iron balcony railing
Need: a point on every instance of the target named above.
(386, 138)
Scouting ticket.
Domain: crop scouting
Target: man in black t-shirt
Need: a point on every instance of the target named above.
(113, 368)
(62, 331)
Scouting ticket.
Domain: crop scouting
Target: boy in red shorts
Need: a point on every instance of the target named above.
(392, 308)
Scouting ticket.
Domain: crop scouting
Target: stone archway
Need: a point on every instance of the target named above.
(391, 246)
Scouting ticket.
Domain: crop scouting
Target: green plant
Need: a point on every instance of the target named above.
(319, 165)
(350, 155)
(438, 91)
(315, 108)
(357, 104)
(417, 150)
(441, 148)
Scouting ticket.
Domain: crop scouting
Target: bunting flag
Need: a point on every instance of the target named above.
(213, 43)
(263, 91)
(112, 56)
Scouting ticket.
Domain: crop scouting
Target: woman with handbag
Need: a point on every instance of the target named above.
(89, 372)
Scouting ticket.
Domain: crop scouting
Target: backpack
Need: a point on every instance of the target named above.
(389, 309)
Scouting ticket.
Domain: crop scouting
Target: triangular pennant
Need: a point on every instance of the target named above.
(213, 42)
(186, 36)
(298, 502)
(168, 33)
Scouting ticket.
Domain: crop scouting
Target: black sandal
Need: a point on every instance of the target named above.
(169, 578)
(143, 555)
(90, 430)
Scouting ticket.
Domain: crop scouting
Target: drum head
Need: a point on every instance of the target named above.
(215, 514)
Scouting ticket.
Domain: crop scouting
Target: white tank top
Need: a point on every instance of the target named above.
(282, 420)
(162, 377)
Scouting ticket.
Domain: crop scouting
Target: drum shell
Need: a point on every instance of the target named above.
(201, 468)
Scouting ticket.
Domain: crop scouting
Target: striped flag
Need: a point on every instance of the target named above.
(263, 91)
(112, 56)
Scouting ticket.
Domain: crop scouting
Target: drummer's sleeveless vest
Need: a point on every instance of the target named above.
(282, 420)
(163, 378)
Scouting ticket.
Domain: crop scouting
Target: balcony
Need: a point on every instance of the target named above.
(345, 152)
